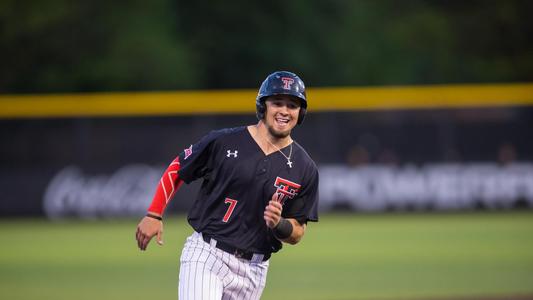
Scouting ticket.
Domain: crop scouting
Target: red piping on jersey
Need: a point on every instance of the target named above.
(167, 187)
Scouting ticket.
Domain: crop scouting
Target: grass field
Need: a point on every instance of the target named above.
(409, 256)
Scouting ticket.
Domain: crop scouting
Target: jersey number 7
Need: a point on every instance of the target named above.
(232, 204)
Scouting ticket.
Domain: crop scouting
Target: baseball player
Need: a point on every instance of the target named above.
(260, 188)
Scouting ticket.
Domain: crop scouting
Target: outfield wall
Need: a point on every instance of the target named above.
(404, 148)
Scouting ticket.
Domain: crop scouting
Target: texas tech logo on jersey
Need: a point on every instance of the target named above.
(286, 189)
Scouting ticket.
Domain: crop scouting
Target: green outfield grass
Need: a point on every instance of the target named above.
(410, 256)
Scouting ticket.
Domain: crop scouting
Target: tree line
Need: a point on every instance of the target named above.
(88, 46)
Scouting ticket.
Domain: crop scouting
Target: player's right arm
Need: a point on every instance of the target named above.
(187, 167)
(151, 226)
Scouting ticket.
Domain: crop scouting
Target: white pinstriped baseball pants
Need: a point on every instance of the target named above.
(208, 273)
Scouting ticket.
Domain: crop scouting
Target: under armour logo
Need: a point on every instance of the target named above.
(287, 82)
(234, 154)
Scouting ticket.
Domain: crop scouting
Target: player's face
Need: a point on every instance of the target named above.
(281, 114)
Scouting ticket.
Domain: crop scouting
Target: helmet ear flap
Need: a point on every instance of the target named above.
(301, 115)
(260, 108)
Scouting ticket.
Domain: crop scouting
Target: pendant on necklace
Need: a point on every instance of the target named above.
(289, 162)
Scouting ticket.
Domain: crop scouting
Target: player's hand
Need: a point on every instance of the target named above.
(272, 213)
(146, 230)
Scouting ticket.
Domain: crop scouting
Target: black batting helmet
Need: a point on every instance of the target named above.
(281, 83)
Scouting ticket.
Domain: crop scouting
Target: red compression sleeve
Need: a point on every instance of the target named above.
(167, 187)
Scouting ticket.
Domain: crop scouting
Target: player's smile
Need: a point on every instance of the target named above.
(282, 121)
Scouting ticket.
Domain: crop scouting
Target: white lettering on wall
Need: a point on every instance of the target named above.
(128, 191)
(433, 186)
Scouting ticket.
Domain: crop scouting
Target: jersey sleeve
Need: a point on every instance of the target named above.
(167, 187)
(304, 208)
(194, 160)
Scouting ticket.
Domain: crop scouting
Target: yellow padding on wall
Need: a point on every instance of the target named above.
(243, 101)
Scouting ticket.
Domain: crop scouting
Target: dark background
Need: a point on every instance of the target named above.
(33, 151)
(63, 46)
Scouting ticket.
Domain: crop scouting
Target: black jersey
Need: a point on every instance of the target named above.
(239, 181)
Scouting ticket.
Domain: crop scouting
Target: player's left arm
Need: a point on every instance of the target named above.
(291, 228)
(287, 230)
(298, 231)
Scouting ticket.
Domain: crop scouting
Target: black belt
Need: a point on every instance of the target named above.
(235, 251)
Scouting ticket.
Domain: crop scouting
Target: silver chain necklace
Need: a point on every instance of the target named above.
(289, 162)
